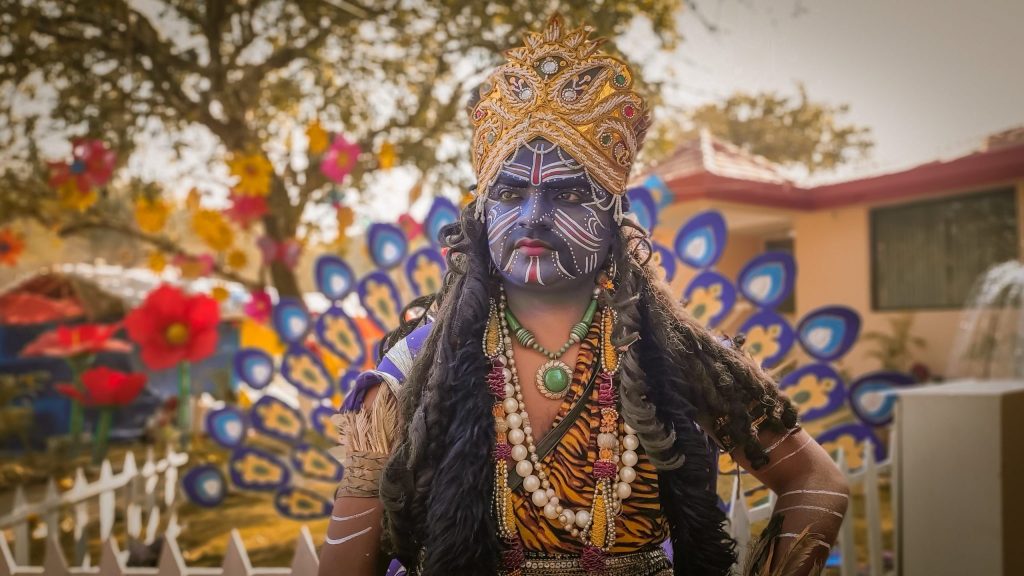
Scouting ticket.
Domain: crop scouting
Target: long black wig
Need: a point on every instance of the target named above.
(436, 488)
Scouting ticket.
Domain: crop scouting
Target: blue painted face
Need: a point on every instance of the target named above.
(548, 224)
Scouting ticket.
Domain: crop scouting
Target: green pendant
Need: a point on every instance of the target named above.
(555, 379)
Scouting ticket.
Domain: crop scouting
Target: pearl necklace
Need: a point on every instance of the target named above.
(613, 471)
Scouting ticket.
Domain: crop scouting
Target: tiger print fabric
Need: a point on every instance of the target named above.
(641, 523)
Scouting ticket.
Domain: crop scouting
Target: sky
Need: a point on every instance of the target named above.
(931, 78)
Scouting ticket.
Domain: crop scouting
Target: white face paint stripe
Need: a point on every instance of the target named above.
(550, 172)
(562, 216)
(352, 517)
(500, 226)
(533, 265)
(344, 539)
(511, 260)
(558, 264)
(576, 235)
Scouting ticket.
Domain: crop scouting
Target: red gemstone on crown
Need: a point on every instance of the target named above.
(628, 111)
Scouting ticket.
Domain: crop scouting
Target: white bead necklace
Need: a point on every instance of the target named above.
(528, 465)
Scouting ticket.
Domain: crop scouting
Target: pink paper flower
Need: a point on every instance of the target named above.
(259, 306)
(340, 159)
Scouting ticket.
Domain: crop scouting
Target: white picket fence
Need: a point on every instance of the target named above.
(147, 492)
(741, 518)
(305, 561)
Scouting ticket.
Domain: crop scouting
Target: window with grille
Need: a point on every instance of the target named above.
(930, 254)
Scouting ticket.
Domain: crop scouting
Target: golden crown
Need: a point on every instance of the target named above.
(560, 87)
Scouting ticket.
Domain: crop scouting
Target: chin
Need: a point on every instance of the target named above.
(543, 279)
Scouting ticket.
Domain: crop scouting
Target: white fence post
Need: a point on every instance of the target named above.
(110, 558)
(305, 560)
(51, 506)
(21, 541)
(81, 516)
(739, 521)
(236, 560)
(132, 512)
(107, 501)
(54, 564)
(872, 510)
(847, 544)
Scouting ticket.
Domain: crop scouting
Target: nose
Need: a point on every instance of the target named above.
(536, 211)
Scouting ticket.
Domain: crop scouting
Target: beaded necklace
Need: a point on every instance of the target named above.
(612, 471)
(553, 376)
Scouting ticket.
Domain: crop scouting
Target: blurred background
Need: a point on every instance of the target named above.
(834, 186)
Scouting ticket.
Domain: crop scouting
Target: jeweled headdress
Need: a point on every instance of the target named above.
(560, 87)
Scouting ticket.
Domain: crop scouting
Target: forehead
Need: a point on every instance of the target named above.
(540, 161)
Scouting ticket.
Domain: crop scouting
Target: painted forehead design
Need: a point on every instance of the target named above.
(539, 162)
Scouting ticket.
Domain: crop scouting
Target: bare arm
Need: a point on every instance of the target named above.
(352, 545)
(813, 494)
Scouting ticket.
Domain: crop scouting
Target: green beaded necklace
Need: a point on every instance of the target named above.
(552, 377)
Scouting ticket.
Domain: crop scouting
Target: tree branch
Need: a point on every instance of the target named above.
(160, 242)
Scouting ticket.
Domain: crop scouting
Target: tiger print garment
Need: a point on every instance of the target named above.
(570, 463)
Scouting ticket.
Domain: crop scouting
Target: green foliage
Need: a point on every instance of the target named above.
(788, 130)
(895, 349)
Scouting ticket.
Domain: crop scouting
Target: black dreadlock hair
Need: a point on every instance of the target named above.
(436, 487)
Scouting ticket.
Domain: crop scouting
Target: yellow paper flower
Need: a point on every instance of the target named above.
(313, 463)
(193, 200)
(254, 469)
(213, 229)
(277, 418)
(427, 275)
(253, 172)
(302, 368)
(386, 157)
(237, 259)
(761, 342)
(705, 303)
(73, 198)
(220, 293)
(810, 393)
(157, 261)
(319, 139)
(151, 214)
(337, 331)
(379, 297)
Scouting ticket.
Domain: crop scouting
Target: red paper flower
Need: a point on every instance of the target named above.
(410, 226)
(105, 387)
(245, 210)
(92, 166)
(173, 327)
(259, 306)
(66, 341)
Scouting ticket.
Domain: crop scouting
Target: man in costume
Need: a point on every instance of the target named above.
(561, 413)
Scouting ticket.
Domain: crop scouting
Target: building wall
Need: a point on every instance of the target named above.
(833, 254)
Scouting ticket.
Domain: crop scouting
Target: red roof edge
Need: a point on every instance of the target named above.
(975, 170)
(983, 168)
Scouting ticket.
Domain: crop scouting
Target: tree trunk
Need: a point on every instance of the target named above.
(280, 226)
